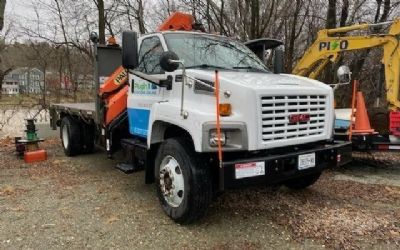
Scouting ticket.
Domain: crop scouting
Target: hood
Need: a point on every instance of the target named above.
(259, 80)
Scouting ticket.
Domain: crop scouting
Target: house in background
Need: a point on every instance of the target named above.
(31, 80)
(10, 87)
(85, 81)
(26, 80)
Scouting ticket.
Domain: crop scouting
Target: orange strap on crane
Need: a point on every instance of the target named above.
(218, 118)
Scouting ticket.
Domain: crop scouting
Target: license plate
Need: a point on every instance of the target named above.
(306, 161)
(250, 169)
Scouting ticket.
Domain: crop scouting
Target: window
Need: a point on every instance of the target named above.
(209, 51)
(149, 56)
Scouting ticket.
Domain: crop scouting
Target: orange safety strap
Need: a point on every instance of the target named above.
(353, 107)
(218, 117)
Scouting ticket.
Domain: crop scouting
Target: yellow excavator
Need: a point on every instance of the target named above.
(330, 43)
(329, 47)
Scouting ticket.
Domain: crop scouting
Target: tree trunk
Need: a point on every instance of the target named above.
(331, 15)
(222, 17)
(2, 8)
(255, 18)
(102, 23)
(345, 13)
(292, 37)
(140, 17)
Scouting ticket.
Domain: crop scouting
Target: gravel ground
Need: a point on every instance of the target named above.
(83, 202)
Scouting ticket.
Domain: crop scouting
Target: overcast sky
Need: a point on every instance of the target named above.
(18, 8)
(21, 13)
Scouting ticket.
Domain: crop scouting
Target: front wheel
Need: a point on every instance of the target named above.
(303, 182)
(183, 183)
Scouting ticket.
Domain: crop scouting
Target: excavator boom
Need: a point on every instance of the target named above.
(331, 43)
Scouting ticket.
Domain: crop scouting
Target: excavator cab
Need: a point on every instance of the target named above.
(270, 51)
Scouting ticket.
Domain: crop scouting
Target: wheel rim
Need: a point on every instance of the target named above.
(171, 181)
(65, 138)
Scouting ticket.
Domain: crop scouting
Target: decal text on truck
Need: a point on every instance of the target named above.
(143, 88)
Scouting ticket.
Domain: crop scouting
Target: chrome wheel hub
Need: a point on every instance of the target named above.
(65, 137)
(171, 181)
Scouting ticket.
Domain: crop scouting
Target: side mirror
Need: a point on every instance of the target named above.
(130, 57)
(94, 37)
(279, 59)
(169, 61)
(344, 74)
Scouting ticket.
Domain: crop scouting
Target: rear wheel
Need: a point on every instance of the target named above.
(303, 182)
(70, 136)
(88, 138)
(183, 183)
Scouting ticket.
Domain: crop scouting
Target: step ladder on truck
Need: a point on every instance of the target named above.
(203, 114)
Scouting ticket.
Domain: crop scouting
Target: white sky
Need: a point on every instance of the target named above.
(18, 8)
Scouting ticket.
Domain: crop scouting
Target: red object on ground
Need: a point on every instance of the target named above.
(395, 123)
(177, 21)
(35, 156)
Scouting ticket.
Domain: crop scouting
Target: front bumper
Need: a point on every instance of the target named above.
(282, 167)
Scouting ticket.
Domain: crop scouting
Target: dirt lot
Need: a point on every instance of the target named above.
(83, 202)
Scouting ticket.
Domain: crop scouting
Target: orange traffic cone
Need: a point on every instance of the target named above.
(361, 123)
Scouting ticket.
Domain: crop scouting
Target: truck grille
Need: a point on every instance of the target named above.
(277, 109)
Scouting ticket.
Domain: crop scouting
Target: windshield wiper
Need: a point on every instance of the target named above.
(250, 68)
(205, 66)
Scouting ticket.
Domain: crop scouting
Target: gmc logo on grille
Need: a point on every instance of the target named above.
(299, 118)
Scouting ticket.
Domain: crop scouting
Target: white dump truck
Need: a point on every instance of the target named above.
(274, 128)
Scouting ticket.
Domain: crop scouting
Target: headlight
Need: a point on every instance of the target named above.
(214, 138)
(233, 137)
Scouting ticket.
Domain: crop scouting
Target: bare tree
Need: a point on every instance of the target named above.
(5, 66)
(331, 15)
(101, 20)
(2, 8)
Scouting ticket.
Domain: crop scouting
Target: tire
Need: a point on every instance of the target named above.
(88, 138)
(70, 136)
(303, 182)
(191, 185)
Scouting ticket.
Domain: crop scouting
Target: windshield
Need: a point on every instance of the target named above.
(207, 51)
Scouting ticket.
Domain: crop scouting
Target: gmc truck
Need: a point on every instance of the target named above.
(275, 129)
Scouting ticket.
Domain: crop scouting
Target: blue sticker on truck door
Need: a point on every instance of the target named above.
(138, 121)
